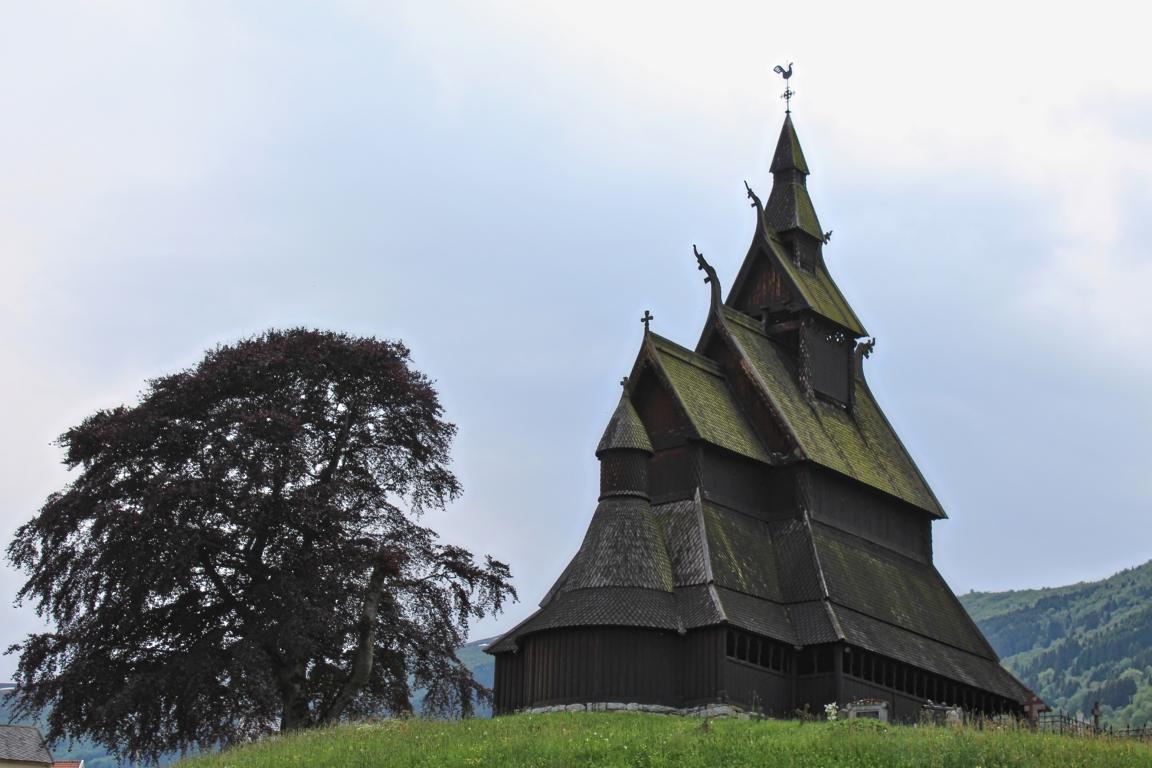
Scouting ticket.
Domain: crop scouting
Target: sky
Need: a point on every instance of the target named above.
(508, 186)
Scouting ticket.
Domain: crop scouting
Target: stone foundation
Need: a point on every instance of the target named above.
(705, 710)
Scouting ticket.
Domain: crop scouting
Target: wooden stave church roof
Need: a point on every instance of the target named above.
(795, 580)
(728, 568)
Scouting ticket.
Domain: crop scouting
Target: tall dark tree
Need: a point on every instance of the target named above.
(239, 553)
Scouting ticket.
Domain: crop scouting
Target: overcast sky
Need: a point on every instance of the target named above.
(508, 186)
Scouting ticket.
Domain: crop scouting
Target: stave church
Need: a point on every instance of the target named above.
(762, 537)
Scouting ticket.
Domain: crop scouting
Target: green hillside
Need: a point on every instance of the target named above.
(482, 666)
(638, 740)
(1078, 644)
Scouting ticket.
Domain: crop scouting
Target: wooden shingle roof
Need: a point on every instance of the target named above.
(624, 430)
(861, 445)
(699, 385)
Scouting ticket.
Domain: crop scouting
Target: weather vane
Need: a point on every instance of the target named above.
(788, 92)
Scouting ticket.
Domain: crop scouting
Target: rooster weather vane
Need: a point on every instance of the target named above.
(788, 92)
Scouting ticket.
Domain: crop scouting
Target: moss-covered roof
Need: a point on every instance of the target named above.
(800, 582)
(789, 206)
(904, 645)
(879, 582)
(741, 553)
(817, 289)
(788, 155)
(703, 393)
(861, 445)
(624, 430)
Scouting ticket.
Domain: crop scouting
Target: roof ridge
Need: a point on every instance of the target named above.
(686, 355)
(698, 503)
(742, 318)
(784, 603)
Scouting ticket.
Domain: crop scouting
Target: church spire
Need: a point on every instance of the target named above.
(789, 156)
(789, 209)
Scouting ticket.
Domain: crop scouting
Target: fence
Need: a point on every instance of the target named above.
(1059, 722)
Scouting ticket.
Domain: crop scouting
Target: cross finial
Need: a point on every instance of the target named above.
(648, 317)
(788, 92)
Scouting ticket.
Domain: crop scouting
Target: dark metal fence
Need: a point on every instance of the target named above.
(1059, 722)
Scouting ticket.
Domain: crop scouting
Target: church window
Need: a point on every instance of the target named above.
(759, 651)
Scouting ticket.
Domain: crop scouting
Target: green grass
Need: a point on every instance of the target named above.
(633, 739)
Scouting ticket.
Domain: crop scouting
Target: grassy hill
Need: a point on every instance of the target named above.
(472, 654)
(1078, 644)
(635, 739)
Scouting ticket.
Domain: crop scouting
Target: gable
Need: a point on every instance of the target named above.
(861, 445)
(770, 277)
(702, 394)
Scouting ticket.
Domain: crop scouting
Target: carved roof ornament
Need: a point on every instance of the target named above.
(863, 350)
(711, 279)
(788, 92)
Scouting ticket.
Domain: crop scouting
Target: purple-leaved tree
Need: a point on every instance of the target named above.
(239, 552)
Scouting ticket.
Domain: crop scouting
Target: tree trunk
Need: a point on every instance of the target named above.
(295, 714)
(361, 667)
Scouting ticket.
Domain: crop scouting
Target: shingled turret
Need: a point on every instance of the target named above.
(624, 452)
(789, 205)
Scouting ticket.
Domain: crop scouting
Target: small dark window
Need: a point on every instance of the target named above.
(830, 363)
(742, 648)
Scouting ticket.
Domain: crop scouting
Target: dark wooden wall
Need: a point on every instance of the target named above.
(736, 482)
(700, 674)
(872, 515)
(620, 664)
(582, 664)
(674, 473)
(754, 687)
(764, 287)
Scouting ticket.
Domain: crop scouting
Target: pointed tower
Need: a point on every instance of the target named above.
(762, 538)
(790, 211)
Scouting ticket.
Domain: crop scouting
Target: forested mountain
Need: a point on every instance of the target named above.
(1078, 644)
